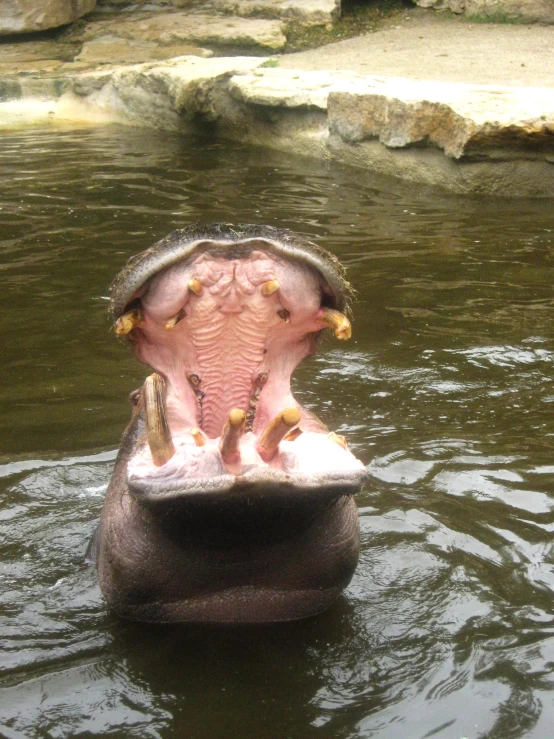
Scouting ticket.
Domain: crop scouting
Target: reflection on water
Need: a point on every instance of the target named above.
(445, 391)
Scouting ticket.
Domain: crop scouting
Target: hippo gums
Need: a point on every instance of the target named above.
(229, 502)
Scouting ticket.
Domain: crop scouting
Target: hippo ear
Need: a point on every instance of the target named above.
(91, 555)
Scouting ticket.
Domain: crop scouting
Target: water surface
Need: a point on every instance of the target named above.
(445, 392)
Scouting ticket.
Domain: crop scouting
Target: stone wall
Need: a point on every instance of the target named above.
(139, 4)
(501, 11)
(27, 16)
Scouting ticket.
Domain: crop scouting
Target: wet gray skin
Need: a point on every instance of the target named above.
(202, 522)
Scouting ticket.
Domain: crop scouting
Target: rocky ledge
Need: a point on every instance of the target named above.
(420, 125)
(466, 138)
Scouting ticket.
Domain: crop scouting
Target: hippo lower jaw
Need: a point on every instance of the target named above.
(302, 464)
(229, 501)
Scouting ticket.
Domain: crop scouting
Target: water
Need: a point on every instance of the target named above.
(445, 392)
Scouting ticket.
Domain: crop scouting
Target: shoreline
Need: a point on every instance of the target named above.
(347, 101)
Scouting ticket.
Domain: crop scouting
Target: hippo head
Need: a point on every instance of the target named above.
(228, 501)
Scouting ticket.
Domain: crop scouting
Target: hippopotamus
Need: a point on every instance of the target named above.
(229, 501)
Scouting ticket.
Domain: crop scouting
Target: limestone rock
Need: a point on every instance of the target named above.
(25, 16)
(165, 29)
(460, 119)
(288, 88)
(110, 49)
(524, 11)
(110, 5)
(167, 96)
(456, 6)
(307, 12)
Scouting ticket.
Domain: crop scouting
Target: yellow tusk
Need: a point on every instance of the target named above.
(230, 438)
(277, 428)
(157, 428)
(128, 321)
(198, 436)
(195, 286)
(270, 287)
(174, 320)
(338, 322)
(338, 439)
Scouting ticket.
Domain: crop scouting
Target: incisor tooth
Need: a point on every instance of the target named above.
(230, 438)
(195, 286)
(157, 429)
(174, 320)
(338, 322)
(270, 287)
(338, 439)
(293, 435)
(274, 432)
(198, 436)
(128, 321)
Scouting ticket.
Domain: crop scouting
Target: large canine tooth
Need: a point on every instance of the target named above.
(230, 438)
(128, 321)
(195, 286)
(174, 320)
(268, 443)
(198, 436)
(270, 287)
(338, 439)
(157, 429)
(338, 322)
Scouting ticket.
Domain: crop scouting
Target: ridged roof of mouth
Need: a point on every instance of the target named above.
(224, 315)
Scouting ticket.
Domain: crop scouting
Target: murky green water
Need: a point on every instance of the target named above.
(445, 391)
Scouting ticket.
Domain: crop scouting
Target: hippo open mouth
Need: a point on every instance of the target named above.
(229, 501)
(224, 320)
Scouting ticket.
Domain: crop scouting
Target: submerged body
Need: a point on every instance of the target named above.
(229, 501)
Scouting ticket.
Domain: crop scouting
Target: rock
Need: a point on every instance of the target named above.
(501, 11)
(162, 5)
(167, 29)
(456, 6)
(26, 16)
(288, 88)
(524, 11)
(33, 56)
(167, 96)
(462, 120)
(110, 49)
(496, 140)
(307, 12)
